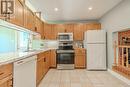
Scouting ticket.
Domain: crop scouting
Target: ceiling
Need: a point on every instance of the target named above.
(73, 10)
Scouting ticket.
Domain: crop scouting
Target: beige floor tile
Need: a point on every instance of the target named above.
(80, 78)
(76, 85)
(65, 84)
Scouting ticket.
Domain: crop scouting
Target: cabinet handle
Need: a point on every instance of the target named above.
(35, 28)
(19, 62)
(44, 59)
(1, 73)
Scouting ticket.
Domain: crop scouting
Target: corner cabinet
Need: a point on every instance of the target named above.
(6, 79)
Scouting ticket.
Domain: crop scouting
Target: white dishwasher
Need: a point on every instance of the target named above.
(25, 72)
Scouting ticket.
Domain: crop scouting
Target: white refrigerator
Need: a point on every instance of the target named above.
(95, 44)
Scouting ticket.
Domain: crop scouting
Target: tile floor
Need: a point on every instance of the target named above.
(80, 78)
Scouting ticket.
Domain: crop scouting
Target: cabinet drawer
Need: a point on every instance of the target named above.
(80, 51)
(6, 70)
(7, 82)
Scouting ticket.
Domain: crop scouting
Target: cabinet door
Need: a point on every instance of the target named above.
(6, 82)
(79, 31)
(93, 26)
(38, 25)
(29, 21)
(42, 30)
(53, 58)
(69, 28)
(18, 18)
(80, 61)
(60, 28)
(39, 69)
(48, 60)
(47, 31)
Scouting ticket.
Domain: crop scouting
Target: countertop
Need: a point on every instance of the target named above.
(11, 57)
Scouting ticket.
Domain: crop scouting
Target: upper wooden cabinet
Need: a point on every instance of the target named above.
(93, 26)
(29, 21)
(60, 28)
(18, 18)
(38, 25)
(50, 32)
(79, 31)
(69, 28)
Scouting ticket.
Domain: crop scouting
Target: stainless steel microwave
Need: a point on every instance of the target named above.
(65, 36)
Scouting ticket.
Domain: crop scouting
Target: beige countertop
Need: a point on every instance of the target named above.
(11, 57)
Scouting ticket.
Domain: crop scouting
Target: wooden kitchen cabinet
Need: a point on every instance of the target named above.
(79, 31)
(50, 33)
(53, 59)
(6, 82)
(18, 18)
(69, 28)
(60, 28)
(40, 68)
(29, 21)
(93, 26)
(43, 65)
(6, 75)
(39, 26)
(80, 58)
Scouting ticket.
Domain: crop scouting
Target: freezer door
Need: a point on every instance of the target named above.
(96, 56)
(96, 36)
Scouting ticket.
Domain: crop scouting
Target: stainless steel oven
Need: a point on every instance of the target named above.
(65, 59)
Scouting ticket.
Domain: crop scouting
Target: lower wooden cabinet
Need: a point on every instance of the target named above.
(6, 82)
(80, 58)
(40, 68)
(53, 59)
(6, 75)
(43, 65)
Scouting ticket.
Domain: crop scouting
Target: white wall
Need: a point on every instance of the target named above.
(115, 20)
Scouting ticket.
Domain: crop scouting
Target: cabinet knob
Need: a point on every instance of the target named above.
(44, 59)
(35, 28)
(1, 73)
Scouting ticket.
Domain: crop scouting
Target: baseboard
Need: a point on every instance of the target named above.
(122, 78)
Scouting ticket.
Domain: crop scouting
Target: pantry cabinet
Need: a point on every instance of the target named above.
(80, 58)
(6, 75)
(122, 46)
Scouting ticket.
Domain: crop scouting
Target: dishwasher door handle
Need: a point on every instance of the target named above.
(20, 62)
(26, 60)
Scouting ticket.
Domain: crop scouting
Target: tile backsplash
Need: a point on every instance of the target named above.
(43, 44)
(7, 40)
